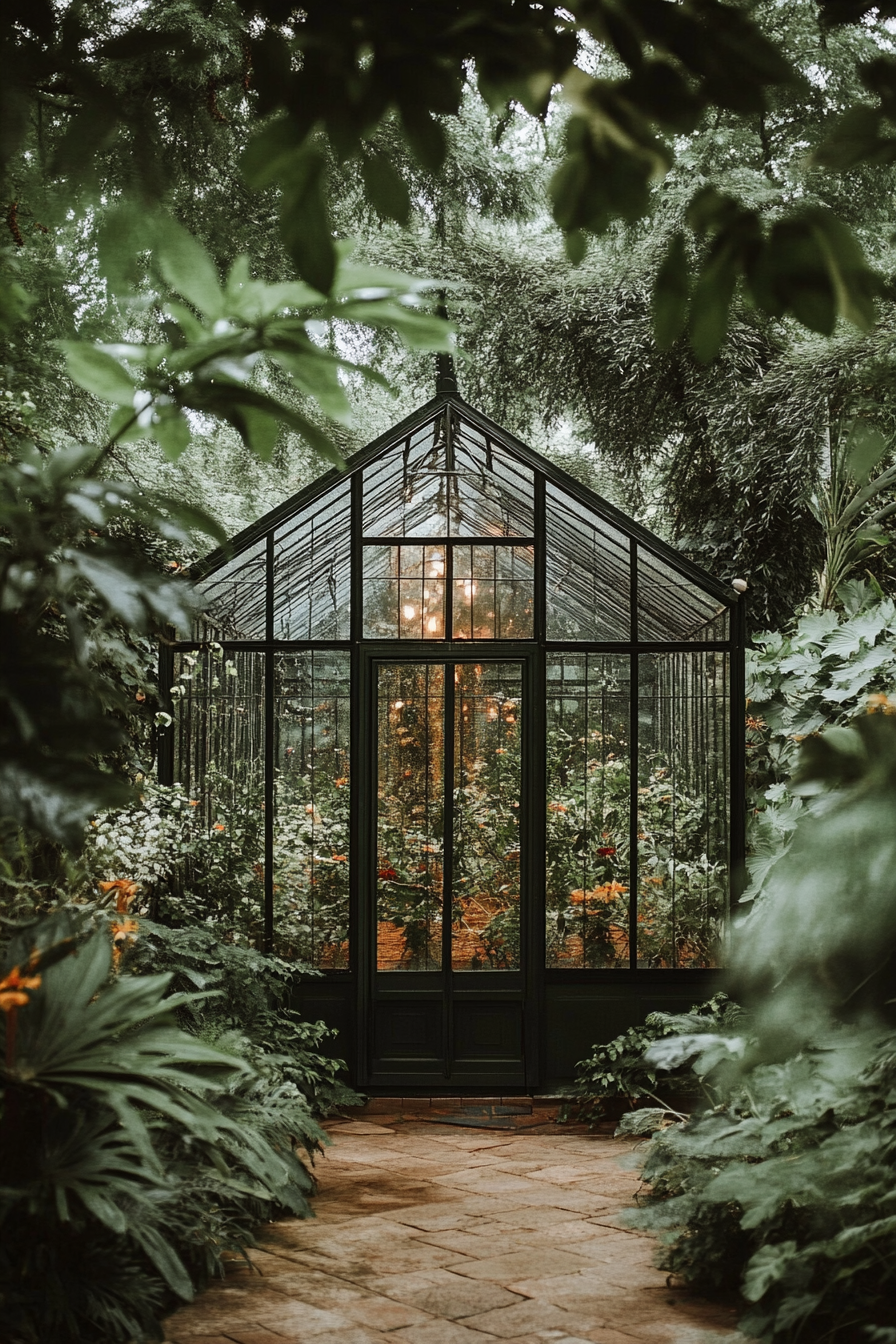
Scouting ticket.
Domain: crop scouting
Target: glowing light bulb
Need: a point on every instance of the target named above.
(469, 590)
(432, 623)
(398, 704)
(438, 567)
(408, 611)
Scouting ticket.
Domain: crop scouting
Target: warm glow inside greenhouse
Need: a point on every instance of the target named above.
(475, 728)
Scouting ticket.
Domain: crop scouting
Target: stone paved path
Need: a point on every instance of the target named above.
(429, 1234)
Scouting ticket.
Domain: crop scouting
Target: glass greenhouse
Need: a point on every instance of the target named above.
(479, 741)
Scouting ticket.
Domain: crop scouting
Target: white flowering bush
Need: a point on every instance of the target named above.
(144, 843)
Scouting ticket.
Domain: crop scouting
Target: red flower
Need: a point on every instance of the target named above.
(388, 874)
(606, 852)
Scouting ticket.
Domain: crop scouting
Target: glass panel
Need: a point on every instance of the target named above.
(410, 716)
(404, 489)
(404, 592)
(219, 760)
(448, 479)
(311, 808)
(588, 810)
(493, 493)
(587, 572)
(487, 782)
(493, 592)
(683, 773)
(312, 570)
(235, 598)
(672, 607)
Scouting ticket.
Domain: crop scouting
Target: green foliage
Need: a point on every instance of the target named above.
(619, 1068)
(206, 364)
(851, 505)
(784, 1188)
(74, 596)
(799, 683)
(312, 92)
(247, 1005)
(133, 1153)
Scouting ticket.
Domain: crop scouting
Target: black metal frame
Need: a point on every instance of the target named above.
(365, 654)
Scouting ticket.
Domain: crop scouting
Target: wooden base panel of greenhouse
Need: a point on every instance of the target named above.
(430, 1230)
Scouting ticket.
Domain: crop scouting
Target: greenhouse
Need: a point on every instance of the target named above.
(481, 734)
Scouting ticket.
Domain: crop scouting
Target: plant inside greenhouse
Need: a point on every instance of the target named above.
(447, 676)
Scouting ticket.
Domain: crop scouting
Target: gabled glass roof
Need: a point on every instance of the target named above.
(448, 479)
(444, 476)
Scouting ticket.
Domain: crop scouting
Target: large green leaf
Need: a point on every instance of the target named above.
(99, 373)
(187, 267)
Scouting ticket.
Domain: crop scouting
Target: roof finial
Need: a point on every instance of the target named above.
(446, 377)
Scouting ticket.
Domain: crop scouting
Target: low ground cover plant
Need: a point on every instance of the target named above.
(622, 1071)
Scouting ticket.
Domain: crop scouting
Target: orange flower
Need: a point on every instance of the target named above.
(126, 889)
(340, 782)
(139, 696)
(122, 932)
(14, 987)
(219, 826)
(556, 807)
(881, 704)
(194, 802)
(607, 891)
(339, 858)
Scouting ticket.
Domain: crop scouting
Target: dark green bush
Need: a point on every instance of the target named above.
(784, 1189)
(135, 1154)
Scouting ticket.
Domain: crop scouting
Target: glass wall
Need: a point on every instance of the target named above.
(410, 851)
(312, 787)
(485, 868)
(588, 877)
(219, 717)
(683, 772)
(449, 754)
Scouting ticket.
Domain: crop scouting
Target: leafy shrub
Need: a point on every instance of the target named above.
(620, 1069)
(784, 1189)
(245, 1008)
(804, 681)
(133, 1154)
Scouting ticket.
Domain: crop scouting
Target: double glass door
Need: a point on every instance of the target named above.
(449, 842)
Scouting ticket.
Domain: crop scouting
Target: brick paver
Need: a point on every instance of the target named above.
(431, 1234)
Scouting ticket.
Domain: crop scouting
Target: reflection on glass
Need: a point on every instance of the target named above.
(683, 881)
(311, 808)
(234, 598)
(493, 594)
(670, 606)
(587, 573)
(312, 570)
(410, 802)
(485, 913)
(588, 809)
(404, 592)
